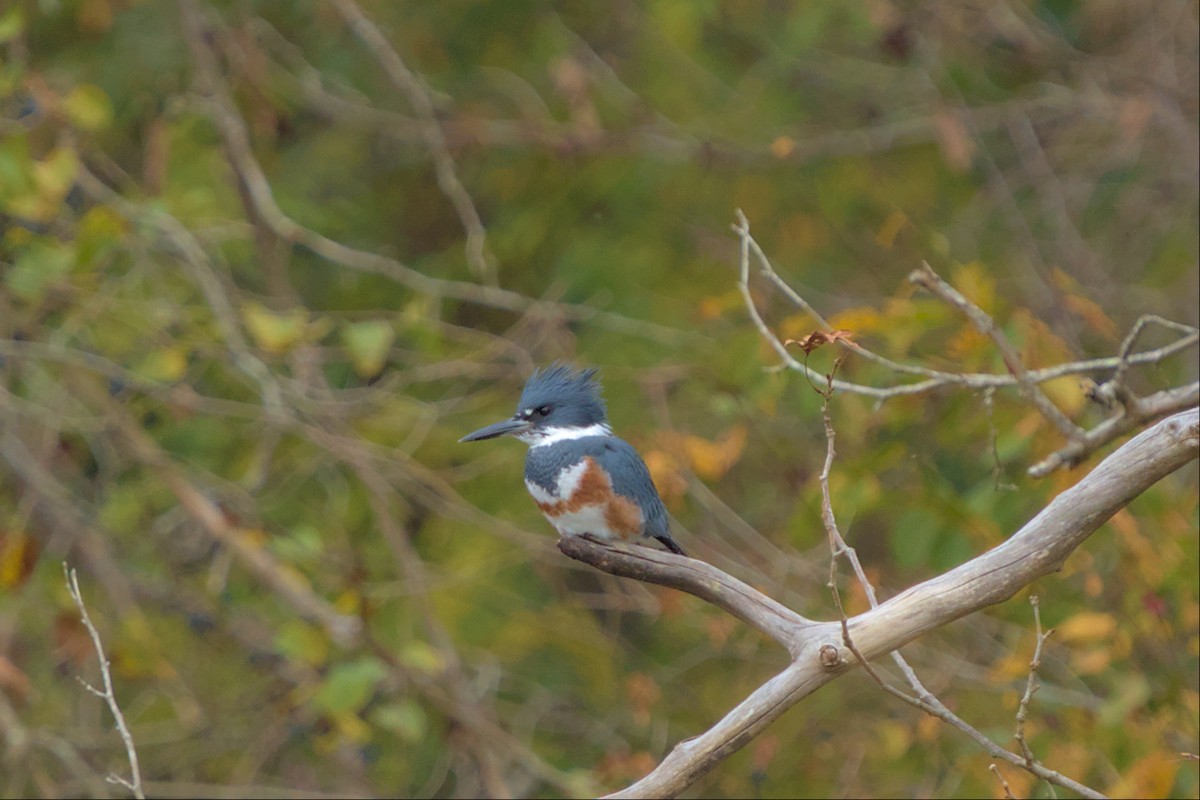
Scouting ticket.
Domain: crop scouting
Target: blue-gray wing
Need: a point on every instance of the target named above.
(631, 478)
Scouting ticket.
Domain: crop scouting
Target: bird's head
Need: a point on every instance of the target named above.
(557, 402)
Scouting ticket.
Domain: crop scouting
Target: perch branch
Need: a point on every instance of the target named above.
(694, 577)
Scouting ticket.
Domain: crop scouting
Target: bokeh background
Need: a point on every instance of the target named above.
(263, 263)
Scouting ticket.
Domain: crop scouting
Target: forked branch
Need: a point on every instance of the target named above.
(818, 653)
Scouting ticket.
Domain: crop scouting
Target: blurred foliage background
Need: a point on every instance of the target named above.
(262, 263)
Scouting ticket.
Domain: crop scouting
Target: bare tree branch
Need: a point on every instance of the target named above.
(923, 699)
(1037, 549)
(216, 103)
(134, 783)
(925, 277)
(1135, 413)
(480, 258)
(933, 379)
(694, 577)
(1031, 684)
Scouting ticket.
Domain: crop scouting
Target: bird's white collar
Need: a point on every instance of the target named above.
(553, 435)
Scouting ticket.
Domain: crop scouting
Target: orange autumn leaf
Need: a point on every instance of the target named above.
(818, 338)
(712, 459)
(1087, 626)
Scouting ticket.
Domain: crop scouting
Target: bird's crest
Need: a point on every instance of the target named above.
(563, 385)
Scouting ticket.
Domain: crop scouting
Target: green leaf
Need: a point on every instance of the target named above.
(12, 22)
(406, 719)
(125, 507)
(369, 344)
(349, 686)
(302, 544)
(99, 230)
(300, 641)
(38, 267)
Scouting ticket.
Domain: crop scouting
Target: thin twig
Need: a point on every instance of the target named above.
(924, 699)
(933, 379)
(1123, 356)
(837, 544)
(479, 256)
(135, 784)
(1135, 412)
(997, 468)
(1031, 685)
(1003, 783)
(214, 100)
(925, 277)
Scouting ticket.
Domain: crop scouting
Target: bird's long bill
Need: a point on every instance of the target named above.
(508, 426)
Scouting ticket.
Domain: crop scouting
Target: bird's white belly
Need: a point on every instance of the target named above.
(570, 518)
(588, 519)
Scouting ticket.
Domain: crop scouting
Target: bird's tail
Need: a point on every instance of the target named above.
(671, 544)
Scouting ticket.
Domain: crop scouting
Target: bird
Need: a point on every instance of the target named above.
(585, 480)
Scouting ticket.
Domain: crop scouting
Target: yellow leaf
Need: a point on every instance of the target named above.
(860, 320)
(1091, 313)
(804, 231)
(88, 107)
(302, 641)
(796, 325)
(349, 602)
(1152, 775)
(1091, 661)
(55, 174)
(896, 738)
(885, 237)
(1012, 666)
(966, 342)
(1066, 393)
(352, 727)
(783, 146)
(274, 332)
(1087, 626)
(406, 719)
(976, 284)
(666, 474)
(423, 657)
(1020, 782)
(165, 365)
(17, 555)
(714, 306)
(928, 728)
(102, 221)
(1142, 550)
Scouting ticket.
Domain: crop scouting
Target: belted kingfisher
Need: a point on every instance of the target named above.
(583, 478)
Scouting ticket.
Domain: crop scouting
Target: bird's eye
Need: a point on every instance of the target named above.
(542, 411)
